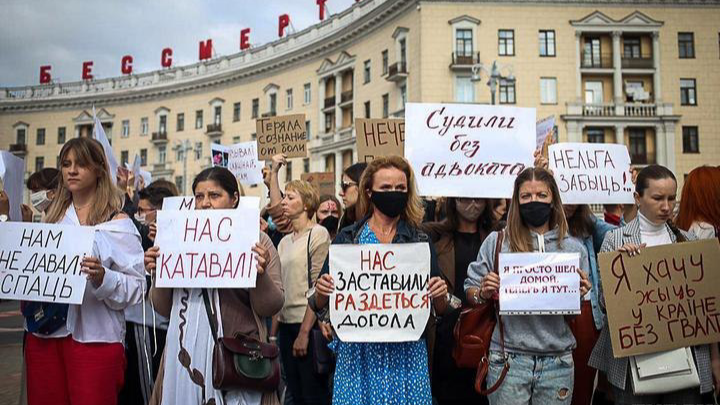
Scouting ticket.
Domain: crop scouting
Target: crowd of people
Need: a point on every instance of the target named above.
(130, 342)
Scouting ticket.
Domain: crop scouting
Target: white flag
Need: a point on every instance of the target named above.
(99, 135)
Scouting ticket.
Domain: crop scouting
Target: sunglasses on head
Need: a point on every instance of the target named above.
(344, 186)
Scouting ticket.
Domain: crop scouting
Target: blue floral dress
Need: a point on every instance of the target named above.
(380, 373)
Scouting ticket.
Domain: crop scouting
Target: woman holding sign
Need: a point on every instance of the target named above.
(187, 374)
(381, 373)
(82, 361)
(655, 196)
(537, 348)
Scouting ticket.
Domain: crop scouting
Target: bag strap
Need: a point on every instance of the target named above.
(208, 310)
(309, 261)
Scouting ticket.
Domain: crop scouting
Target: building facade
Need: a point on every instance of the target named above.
(641, 73)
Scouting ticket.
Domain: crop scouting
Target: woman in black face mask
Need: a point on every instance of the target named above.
(375, 373)
(538, 348)
(328, 214)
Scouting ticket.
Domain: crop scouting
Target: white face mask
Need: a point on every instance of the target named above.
(140, 218)
(40, 200)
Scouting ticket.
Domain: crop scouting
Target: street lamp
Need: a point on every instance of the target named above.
(494, 74)
(185, 147)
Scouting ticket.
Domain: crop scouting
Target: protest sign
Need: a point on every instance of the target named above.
(379, 137)
(11, 172)
(539, 283)
(381, 291)
(182, 203)
(241, 159)
(207, 248)
(665, 298)
(324, 183)
(284, 134)
(592, 173)
(220, 156)
(468, 150)
(543, 128)
(41, 262)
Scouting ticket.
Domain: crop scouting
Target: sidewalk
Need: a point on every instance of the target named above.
(11, 324)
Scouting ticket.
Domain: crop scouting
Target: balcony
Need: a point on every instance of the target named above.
(159, 138)
(598, 110)
(214, 130)
(589, 60)
(637, 63)
(464, 61)
(346, 97)
(640, 110)
(329, 102)
(397, 72)
(18, 149)
(162, 169)
(620, 111)
(269, 114)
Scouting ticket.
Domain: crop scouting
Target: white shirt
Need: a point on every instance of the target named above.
(101, 318)
(702, 230)
(652, 234)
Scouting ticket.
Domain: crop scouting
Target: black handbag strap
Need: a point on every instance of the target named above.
(498, 248)
(208, 310)
(309, 261)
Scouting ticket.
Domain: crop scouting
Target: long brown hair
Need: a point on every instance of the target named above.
(414, 211)
(580, 224)
(700, 199)
(107, 198)
(518, 232)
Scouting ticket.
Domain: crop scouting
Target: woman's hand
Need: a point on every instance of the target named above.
(632, 249)
(585, 285)
(325, 285)
(153, 231)
(27, 213)
(489, 286)
(326, 330)
(262, 257)
(437, 288)
(277, 162)
(94, 270)
(151, 256)
(540, 160)
(300, 345)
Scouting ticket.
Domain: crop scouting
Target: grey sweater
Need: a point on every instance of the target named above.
(529, 334)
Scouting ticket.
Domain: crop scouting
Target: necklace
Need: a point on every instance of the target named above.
(382, 231)
(81, 208)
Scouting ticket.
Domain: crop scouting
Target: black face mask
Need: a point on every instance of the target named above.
(390, 203)
(535, 213)
(330, 223)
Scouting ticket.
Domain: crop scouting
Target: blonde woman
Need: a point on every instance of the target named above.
(83, 361)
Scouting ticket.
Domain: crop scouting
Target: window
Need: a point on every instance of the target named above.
(180, 184)
(464, 90)
(688, 94)
(386, 105)
(591, 53)
(464, 42)
(403, 96)
(273, 104)
(198, 119)
(236, 139)
(40, 136)
(143, 157)
(179, 154)
(329, 119)
(288, 171)
(691, 141)
(162, 125)
(547, 42)
(307, 92)
(632, 48)
(125, 132)
(236, 112)
(162, 154)
(638, 148)
(596, 135)
(39, 163)
(366, 72)
(507, 91)
(367, 109)
(686, 45)
(289, 98)
(180, 122)
(385, 62)
(20, 136)
(403, 51)
(144, 126)
(548, 90)
(255, 108)
(306, 165)
(307, 129)
(198, 150)
(506, 42)
(61, 135)
(217, 115)
(124, 157)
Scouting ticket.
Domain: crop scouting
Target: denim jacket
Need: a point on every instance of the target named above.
(593, 243)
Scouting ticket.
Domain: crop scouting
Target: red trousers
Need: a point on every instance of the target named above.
(65, 372)
(586, 335)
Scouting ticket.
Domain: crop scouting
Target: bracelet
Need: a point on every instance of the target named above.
(272, 338)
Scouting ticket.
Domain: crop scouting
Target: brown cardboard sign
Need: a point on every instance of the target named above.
(379, 137)
(283, 134)
(665, 298)
(324, 183)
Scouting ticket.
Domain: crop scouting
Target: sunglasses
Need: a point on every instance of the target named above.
(344, 186)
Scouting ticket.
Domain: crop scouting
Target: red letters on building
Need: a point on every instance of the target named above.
(205, 49)
(126, 65)
(245, 39)
(283, 22)
(45, 74)
(166, 59)
(87, 70)
(321, 4)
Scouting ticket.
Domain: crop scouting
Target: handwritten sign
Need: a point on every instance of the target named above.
(241, 159)
(543, 128)
(381, 291)
(592, 173)
(11, 173)
(665, 298)
(180, 203)
(207, 248)
(284, 134)
(41, 262)
(539, 283)
(468, 150)
(379, 137)
(324, 183)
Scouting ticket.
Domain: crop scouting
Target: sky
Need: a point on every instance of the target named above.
(66, 33)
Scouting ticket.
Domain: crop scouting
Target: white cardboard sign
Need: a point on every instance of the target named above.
(381, 292)
(11, 172)
(241, 159)
(543, 128)
(207, 248)
(41, 262)
(539, 283)
(180, 203)
(592, 173)
(468, 150)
